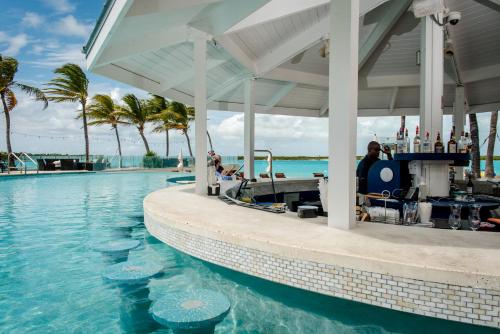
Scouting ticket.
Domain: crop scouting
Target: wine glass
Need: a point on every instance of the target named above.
(475, 217)
(455, 212)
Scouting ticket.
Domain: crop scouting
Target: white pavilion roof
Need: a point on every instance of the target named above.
(147, 44)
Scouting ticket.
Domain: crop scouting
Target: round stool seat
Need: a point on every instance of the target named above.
(120, 245)
(193, 310)
(133, 271)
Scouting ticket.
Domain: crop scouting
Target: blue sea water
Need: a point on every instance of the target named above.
(51, 276)
(305, 168)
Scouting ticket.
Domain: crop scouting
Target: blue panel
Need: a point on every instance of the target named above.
(376, 184)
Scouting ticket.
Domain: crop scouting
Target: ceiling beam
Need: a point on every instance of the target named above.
(307, 78)
(234, 50)
(384, 25)
(228, 86)
(394, 97)
(282, 8)
(292, 47)
(280, 94)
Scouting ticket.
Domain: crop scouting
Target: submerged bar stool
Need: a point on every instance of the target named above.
(123, 229)
(117, 250)
(192, 312)
(132, 278)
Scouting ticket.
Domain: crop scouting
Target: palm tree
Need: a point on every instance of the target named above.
(102, 110)
(159, 106)
(71, 86)
(136, 112)
(182, 116)
(474, 136)
(489, 171)
(8, 70)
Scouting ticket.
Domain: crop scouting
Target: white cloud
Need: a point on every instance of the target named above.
(33, 20)
(60, 6)
(69, 26)
(70, 53)
(13, 44)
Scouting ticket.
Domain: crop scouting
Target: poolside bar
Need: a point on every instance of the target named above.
(336, 60)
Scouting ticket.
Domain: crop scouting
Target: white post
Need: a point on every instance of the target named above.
(249, 129)
(459, 122)
(343, 106)
(433, 175)
(200, 120)
(431, 78)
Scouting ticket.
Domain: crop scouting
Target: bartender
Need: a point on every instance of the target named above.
(364, 165)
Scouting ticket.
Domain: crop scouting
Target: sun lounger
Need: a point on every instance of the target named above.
(264, 175)
(280, 175)
(318, 175)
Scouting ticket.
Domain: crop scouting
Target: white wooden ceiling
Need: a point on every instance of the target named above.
(147, 43)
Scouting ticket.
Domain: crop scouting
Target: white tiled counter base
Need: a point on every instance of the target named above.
(446, 301)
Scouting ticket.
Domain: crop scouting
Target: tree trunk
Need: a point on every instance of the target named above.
(476, 155)
(141, 132)
(85, 132)
(210, 141)
(167, 143)
(119, 146)
(189, 143)
(7, 130)
(489, 171)
(403, 122)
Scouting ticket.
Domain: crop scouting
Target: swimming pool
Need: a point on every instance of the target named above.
(50, 276)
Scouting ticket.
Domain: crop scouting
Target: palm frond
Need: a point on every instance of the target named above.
(70, 86)
(33, 91)
(10, 99)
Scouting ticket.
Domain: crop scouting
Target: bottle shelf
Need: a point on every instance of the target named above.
(460, 159)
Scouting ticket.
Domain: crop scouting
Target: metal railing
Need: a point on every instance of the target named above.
(12, 157)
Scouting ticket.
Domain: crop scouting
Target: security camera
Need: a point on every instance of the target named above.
(454, 17)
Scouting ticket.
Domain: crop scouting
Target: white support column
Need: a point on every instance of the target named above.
(459, 122)
(431, 78)
(433, 175)
(249, 129)
(200, 120)
(343, 106)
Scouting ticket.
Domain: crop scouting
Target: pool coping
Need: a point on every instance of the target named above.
(199, 226)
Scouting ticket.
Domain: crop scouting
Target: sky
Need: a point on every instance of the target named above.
(45, 34)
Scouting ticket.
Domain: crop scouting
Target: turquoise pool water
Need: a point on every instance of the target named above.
(50, 276)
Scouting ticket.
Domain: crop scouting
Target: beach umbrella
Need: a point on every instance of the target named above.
(180, 158)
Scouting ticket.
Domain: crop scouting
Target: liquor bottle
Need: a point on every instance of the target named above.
(438, 145)
(470, 187)
(468, 143)
(452, 144)
(416, 142)
(407, 141)
(426, 144)
(400, 142)
(461, 144)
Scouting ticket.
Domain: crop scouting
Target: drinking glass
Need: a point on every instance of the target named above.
(455, 213)
(474, 217)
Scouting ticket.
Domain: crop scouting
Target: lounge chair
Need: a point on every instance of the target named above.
(280, 175)
(264, 175)
(318, 175)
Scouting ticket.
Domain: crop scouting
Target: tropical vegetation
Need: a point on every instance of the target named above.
(71, 85)
(137, 113)
(8, 84)
(104, 111)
